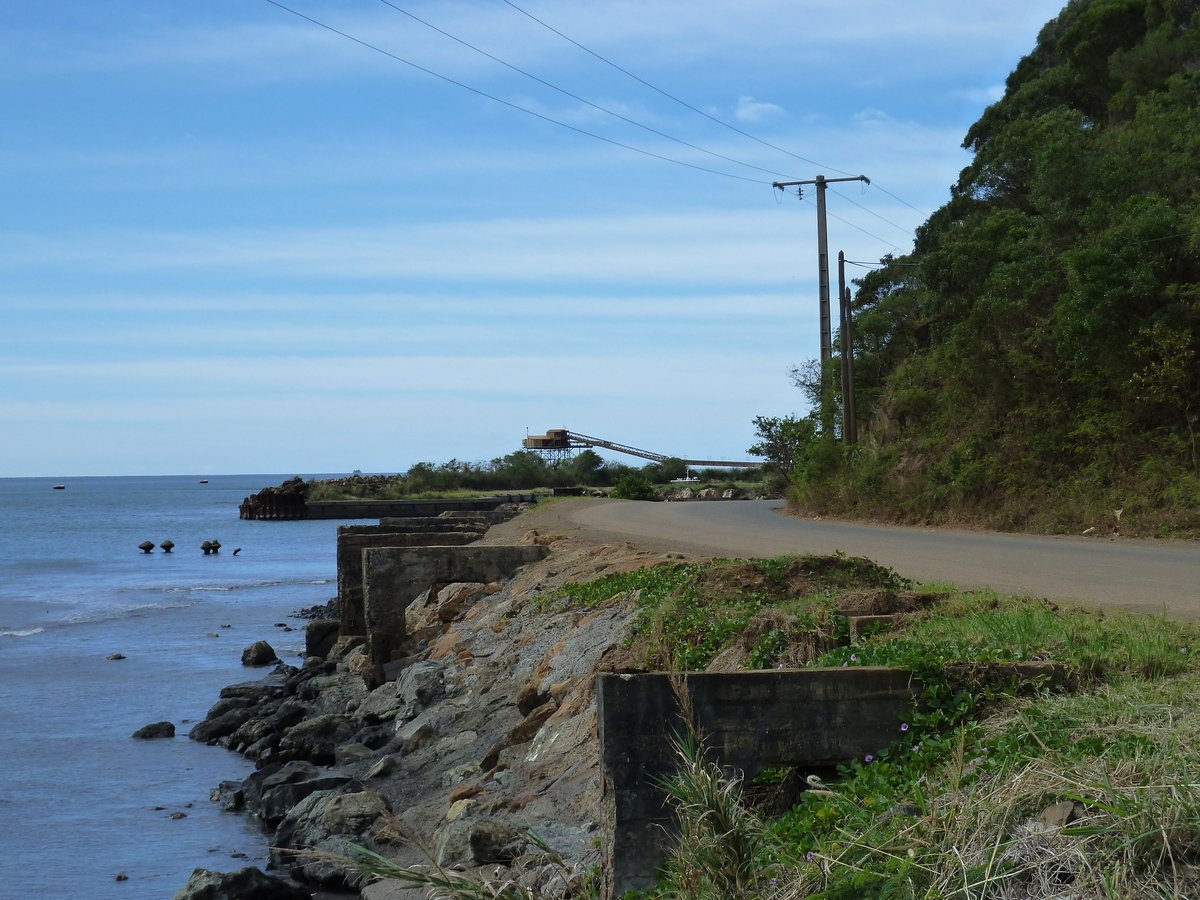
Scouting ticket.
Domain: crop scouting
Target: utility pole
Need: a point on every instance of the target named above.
(823, 279)
(846, 329)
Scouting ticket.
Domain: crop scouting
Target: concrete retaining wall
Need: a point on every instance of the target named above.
(375, 509)
(353, 539)
(749, 720)
(394, 576)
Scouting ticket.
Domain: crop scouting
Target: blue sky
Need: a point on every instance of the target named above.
(234, 241)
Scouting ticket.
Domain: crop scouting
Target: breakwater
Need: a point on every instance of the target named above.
(272, 504)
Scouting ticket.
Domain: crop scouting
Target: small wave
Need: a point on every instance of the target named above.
(27, 633)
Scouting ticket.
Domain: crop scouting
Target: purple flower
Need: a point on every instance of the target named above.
(845, 664)
(916, 748)
(868, 758)
(904, 726)
(853, 658)
(808, 855)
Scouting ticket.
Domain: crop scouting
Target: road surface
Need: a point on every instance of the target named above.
(1141, 575)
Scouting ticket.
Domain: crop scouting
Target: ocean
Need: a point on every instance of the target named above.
(86, 811)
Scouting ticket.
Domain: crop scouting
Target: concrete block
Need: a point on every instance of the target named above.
(353, 539)
(749, 720)
(394, 576)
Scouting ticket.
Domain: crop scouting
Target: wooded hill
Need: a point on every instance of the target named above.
(1033, 362)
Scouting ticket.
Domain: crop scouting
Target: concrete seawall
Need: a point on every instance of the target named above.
(292, 508)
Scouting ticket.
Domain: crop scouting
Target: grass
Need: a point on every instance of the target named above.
(996, 788)
(956, 808)
(689, 612)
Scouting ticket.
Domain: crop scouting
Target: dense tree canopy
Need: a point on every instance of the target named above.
(1043, 334)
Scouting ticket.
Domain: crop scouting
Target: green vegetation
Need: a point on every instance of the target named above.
(1033, 363)
(954, 808)
(523, 470)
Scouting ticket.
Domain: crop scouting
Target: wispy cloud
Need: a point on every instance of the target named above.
(750, 110)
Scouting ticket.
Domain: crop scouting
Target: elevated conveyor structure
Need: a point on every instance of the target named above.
(559, 443)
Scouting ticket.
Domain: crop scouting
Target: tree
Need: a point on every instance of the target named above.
(781, 440)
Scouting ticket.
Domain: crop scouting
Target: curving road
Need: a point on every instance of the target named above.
(1146, 576)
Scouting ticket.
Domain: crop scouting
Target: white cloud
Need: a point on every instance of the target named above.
(982, 96)
(751, 110)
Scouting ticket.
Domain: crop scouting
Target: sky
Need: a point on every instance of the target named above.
(235, 240)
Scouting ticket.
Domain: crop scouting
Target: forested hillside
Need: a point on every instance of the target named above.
(1033, 362)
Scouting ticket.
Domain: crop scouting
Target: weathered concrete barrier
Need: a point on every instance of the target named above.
(377, 509)
(394, 576)
(748, 720)
(417, 532)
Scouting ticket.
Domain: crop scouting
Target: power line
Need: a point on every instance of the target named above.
(905, 202)
(529, 112)
(672, 96)
(851, 224)
(576, 97)
(694, 109)
(875, 214)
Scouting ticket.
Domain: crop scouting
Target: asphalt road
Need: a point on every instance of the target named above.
(1142, 575)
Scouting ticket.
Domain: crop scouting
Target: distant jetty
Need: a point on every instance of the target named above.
(289, 502)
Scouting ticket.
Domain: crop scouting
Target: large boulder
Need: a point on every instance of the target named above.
(155, 730)
(419, 686)
(477, 842)
(316, 739)
(322, 815)
(244, 884)
(273, 791)
(211, 730)
(260, 653)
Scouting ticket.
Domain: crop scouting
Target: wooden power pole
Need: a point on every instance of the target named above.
(823, 279)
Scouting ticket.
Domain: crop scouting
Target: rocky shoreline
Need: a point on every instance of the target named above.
(487, 732)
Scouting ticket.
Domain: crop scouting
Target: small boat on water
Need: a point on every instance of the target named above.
(60, 487)
(204, 481)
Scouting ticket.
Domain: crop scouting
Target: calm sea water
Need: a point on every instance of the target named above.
(81, 802)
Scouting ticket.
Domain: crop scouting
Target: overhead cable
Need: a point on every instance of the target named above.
(694, 109)
(671, 96)
(575, 97)
(872, 212)
(515, 106)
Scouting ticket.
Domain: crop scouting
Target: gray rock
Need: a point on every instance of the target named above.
(257, 691)
(226, 704)
(229, 794)
(477, 842)
(155, 730)
(146, 546)
(211, 730)
(354, 813)
(322, 815)
(260, 653)
(316, 739)
(420, 685)
(244, 884)
(331, 875)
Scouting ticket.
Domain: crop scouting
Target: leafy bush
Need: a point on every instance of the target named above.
(633, 487)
